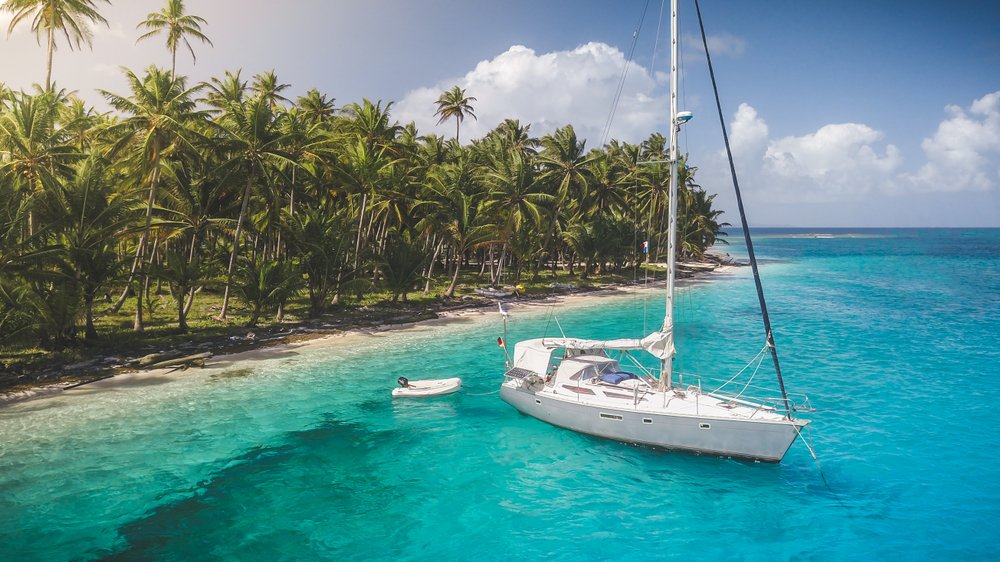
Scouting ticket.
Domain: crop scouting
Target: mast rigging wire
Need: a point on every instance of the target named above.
(621, 81)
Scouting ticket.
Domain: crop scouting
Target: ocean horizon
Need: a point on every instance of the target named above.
(303, 454)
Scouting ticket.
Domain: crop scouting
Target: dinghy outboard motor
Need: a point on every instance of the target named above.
(403, 382)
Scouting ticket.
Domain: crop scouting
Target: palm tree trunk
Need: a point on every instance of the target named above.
(51, 48)
(291, 195)
(548, 239)
(430, 267)
(91, 333)
(361, 222)
(190, 300)
(482, 262)
(454, 279)
(181, 312)
(140, 250)
(236, 246)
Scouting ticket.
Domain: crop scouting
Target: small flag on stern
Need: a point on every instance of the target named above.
(500, 343)
(645, 247)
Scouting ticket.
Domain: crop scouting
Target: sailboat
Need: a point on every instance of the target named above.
(603, 388)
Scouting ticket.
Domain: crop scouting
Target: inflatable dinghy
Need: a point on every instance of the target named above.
(424, 388)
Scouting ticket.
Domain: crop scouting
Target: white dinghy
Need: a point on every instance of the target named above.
(425, 388)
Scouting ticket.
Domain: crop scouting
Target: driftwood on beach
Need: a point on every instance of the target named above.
(159, 360)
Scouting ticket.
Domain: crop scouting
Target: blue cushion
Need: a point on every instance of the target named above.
(617, 377)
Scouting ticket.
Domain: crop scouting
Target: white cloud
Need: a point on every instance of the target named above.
(749, 133)
(547, 91)
(836, 162)
(850, 161)
(963, 154)
(842, 154)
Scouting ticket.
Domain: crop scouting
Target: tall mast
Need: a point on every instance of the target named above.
(667, 365)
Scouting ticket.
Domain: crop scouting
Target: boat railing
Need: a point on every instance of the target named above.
(750, 395)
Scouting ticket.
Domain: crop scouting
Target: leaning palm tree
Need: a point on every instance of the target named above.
(455, 104)
(49, 16)
(178, 26)
(454, 200)
(159, 112)
(252, 133)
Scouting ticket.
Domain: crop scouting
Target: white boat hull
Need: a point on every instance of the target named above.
(427, 388)
(758, 440)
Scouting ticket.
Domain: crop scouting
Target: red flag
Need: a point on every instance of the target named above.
(500, 342)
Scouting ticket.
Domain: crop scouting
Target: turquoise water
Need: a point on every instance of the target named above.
(303, 455)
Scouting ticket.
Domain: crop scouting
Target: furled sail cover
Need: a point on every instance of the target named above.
(658, 344)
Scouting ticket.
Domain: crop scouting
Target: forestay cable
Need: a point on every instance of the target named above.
(743, 219)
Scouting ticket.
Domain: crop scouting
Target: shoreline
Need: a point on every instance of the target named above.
(108, 371)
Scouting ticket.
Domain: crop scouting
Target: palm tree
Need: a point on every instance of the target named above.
(90, 214)
(511, 134)
(266, 84)
(516, 199)
(320, 240)
(49, 16)
(315, 107)
(178, 26)
(251, 132)
(455, 204)
(265, 284)
(183, 274)
(161, 110)
(362, 170)
(38, 151)
(228, 89)
(370, 122)
(455, 104)
(566, 173)
(402, 264)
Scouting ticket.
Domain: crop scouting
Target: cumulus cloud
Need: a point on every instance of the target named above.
(835, 162)
(963, 152)
(749, 133)
(549, 90)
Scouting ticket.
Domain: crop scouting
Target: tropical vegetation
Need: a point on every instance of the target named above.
(189, 200)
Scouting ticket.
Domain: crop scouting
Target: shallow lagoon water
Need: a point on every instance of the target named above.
(303, 455)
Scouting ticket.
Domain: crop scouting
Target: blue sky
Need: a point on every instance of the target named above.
(841, 113)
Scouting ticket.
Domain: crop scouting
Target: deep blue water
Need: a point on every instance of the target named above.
(303, 455)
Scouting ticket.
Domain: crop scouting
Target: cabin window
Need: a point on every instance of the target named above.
(647, 420)
(614, 417)
(537, 401)
(704, 426)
